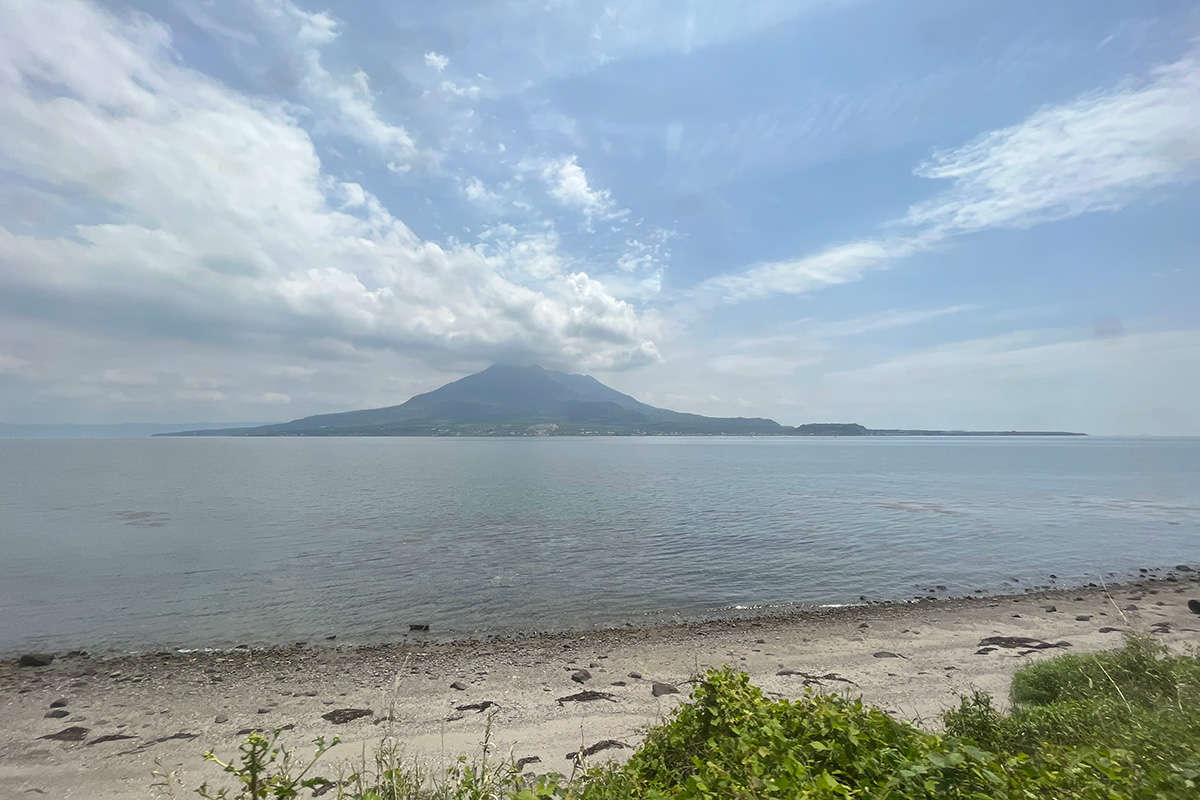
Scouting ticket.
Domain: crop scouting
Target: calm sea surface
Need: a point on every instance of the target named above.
(145, 543)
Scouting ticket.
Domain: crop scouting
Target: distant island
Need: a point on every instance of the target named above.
(505, 400)
(124, 430)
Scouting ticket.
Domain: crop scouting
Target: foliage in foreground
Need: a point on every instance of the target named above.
(1123, 725)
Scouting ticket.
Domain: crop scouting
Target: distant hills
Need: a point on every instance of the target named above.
(127, 430)
(505, 400)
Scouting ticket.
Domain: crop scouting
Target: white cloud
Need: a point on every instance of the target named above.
(204, 382)
(206, 22)
(290, 371)
(808, 342)
(567, 183)
(758, 366)
(642, 287)
(346, 104)
(886, 320)
(228, 226)
(12, 364)
(478, 192)
(1098, 152)
(437, 61)
(200, 395)
(648, 252)
(355, 114)
(466, 92)
(273, 399)
(120, 377)
(839, 264)
(317, 28)
(532, 256)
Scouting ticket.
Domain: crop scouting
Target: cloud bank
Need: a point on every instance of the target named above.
(197, 211)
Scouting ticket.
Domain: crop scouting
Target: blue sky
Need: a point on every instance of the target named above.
(934, 214)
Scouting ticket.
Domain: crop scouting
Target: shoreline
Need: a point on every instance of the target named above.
(651, 622)
(160, 711)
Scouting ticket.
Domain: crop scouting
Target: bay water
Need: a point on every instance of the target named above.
(139, 544)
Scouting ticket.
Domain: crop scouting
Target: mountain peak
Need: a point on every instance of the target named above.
(505, 367)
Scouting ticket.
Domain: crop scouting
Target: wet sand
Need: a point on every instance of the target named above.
(912, 659)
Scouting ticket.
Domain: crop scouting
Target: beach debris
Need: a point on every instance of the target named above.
(477, 707)
(580, 675)
(325, 787)
(340, 716)
(221, 719)
(1194, 606)
(242, 732)
(617, 683)
(811, 679)
(59, 703)
(1082, 617)
(1051, 609)
(526, 761)
(635, 675)
(1015, 642)
(886, 654)
(983, 651)
(419, 627)
(659, 689)
(72, 734)
(35, 660)
(110, 737)
(459, 685)
(586, 696)
(57, 713)
(1109, 629)
(144, 746)
(604, 744)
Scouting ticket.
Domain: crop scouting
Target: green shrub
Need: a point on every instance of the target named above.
(732, 742)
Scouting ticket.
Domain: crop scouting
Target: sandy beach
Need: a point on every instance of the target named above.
(162, 711)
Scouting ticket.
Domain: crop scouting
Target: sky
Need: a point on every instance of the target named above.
(904, 214)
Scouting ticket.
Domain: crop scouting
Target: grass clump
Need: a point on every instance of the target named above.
(1121, 725)
(1138, 707)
